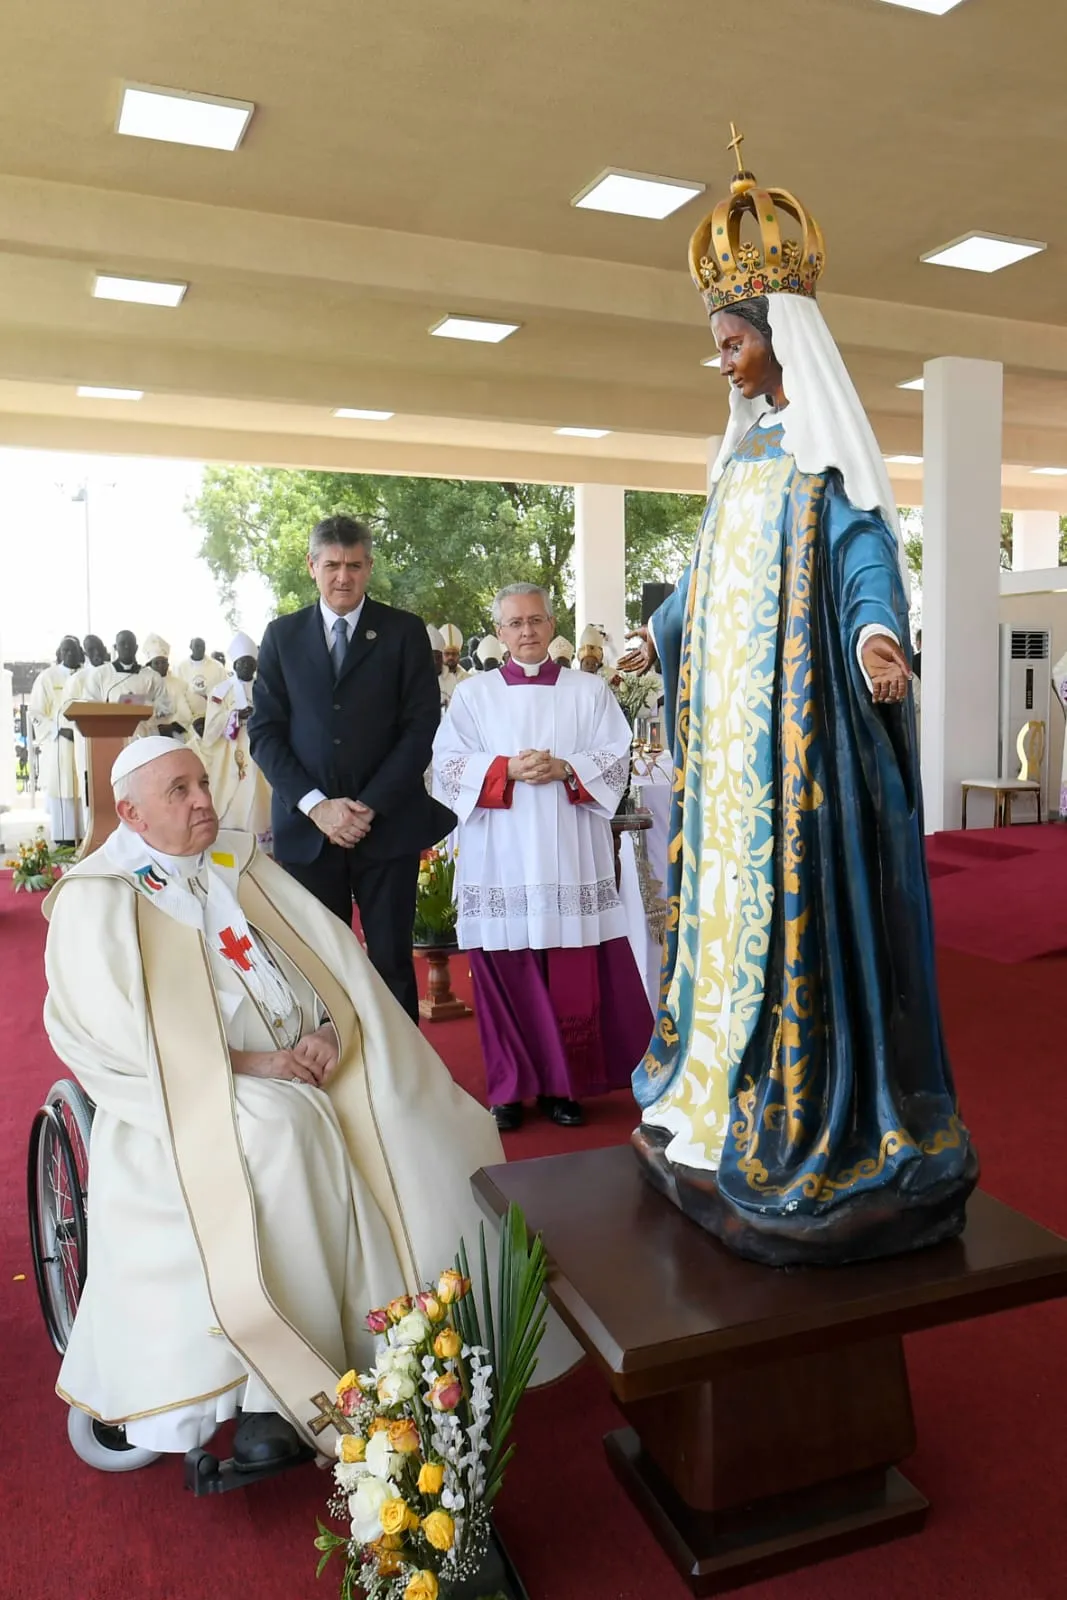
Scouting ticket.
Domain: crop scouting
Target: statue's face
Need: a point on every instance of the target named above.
(126, 647)
(197, 648)
(245, 668)
(95, 649)
(747, 358)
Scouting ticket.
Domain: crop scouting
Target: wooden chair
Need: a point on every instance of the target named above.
(1030, 748)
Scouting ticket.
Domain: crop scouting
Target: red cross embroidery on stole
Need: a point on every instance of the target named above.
(234, 949)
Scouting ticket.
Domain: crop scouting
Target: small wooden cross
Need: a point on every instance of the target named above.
(329, 1415)
(736, 141)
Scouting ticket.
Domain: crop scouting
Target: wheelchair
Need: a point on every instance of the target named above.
(57, 1185)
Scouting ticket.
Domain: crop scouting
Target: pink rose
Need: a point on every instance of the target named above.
(445, 1393)
(350, 1401)
(378, 1321)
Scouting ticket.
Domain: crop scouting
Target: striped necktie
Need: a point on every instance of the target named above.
(339, 646)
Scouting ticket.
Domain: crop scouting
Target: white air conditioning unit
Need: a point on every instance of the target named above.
(1025, 692)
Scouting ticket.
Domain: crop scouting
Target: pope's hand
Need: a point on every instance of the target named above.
(319, 1051)
(283, 1064)
(887, 668)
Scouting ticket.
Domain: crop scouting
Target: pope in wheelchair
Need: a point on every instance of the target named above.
(275, 1147)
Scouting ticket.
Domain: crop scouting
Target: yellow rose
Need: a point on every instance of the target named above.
(404, 1436)
(448, 1343)
(452, 1285)
(398, 1308)
(379, 1425)
(423, 1586)
(396, 1515)
(431, 1477)
(430, 1306)
(353, 1448)
(349, 1381)
(389, 1554)
(439, 1529)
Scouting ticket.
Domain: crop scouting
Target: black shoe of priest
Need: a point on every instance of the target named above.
(508, 1117)
(263, 1439)
(565, 1113)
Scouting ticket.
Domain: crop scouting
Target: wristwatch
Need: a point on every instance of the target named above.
(570, 777)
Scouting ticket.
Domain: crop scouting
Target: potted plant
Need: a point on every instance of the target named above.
(38, 864)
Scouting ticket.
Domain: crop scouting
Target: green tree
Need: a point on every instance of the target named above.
(911, 526)
(443, 546)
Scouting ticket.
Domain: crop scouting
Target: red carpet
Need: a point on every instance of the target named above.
(989, 1395)
(1003, 898)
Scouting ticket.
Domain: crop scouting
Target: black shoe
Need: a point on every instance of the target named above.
(565, 1113)
(508, 1117)
(263, 1439)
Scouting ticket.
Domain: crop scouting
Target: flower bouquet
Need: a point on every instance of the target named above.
(435, 906)
(417, 1475)
(38, 864)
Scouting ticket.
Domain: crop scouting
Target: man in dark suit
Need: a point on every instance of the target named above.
(346, 708)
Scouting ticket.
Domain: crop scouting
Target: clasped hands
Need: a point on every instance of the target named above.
(311, 1061)
(536, 766)
(887, 668)
(344, 822)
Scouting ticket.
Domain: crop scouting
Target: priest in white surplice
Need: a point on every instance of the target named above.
(124, 680)
(240, 791)
(57, 772)
(276, 1149)
(534, 761)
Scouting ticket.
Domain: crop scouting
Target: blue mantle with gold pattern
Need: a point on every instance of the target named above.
(798, 1071)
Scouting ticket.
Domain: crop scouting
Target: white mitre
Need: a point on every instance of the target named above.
(453, 639)
(561, 649)
(242, 644)
(434, 635)
(139, 752)
(592, 640)
(490, 649)
(155, 646)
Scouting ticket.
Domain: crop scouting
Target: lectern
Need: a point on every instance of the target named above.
(105, 729)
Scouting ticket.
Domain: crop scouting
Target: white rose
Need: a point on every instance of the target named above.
(395, 1387)
(364, 1506)
(347, 1475)
(412, 1329)
(396, 1358)
(381, 1461)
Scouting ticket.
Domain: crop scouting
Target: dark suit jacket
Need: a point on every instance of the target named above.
(368, 736)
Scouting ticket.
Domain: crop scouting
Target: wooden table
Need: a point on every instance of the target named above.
(768, 1408)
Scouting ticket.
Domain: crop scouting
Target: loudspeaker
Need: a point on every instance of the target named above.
(652, 597)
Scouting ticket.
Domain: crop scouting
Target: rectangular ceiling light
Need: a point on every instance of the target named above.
(178, 117)
(636, 194)
(354, 414)
(139, 291)
(1049, 472)
(936, 8)
(583, 433)
(92, 391)
(983, 252)
(913, 383)
(477, 329)
(712, 361)
(905, 461)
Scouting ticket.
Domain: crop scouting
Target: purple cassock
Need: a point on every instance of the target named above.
(560, 1005)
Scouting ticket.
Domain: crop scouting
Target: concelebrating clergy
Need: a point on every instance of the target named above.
(240, 791)
(58, 773)
(275, 1148)
(534, 761)
(797, 1098)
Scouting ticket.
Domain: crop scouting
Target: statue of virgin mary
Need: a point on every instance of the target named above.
(796, 1097)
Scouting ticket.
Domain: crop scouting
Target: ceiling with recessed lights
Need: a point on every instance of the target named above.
(404, 165)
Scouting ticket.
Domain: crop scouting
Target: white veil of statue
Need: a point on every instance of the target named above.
(824, 425)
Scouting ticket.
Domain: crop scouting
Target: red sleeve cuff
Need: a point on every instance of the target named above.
(579, 796)
(497, 787)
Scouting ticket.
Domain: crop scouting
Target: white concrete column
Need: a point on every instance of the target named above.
(1035, 540)
(962, 452)
(600, 559)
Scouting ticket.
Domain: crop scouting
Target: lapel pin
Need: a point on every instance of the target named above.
(371, 634)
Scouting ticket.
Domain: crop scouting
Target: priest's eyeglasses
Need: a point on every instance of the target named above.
(518, 623)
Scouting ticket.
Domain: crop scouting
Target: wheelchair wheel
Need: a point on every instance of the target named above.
(57, 1188)
(101, 1446)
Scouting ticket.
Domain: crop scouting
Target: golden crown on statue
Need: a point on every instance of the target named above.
(727, 270)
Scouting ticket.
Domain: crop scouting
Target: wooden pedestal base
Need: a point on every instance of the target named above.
(716, 1552)
(768, 1407)
(440, 1004)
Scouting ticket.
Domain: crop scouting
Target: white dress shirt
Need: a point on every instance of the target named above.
(351, 621)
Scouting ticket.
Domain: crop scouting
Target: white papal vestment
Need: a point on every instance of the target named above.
(349, 1195)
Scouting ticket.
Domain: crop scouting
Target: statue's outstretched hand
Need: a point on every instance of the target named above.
(887, 669)
(641, 657)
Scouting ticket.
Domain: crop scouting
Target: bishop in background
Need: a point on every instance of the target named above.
(534, 760)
